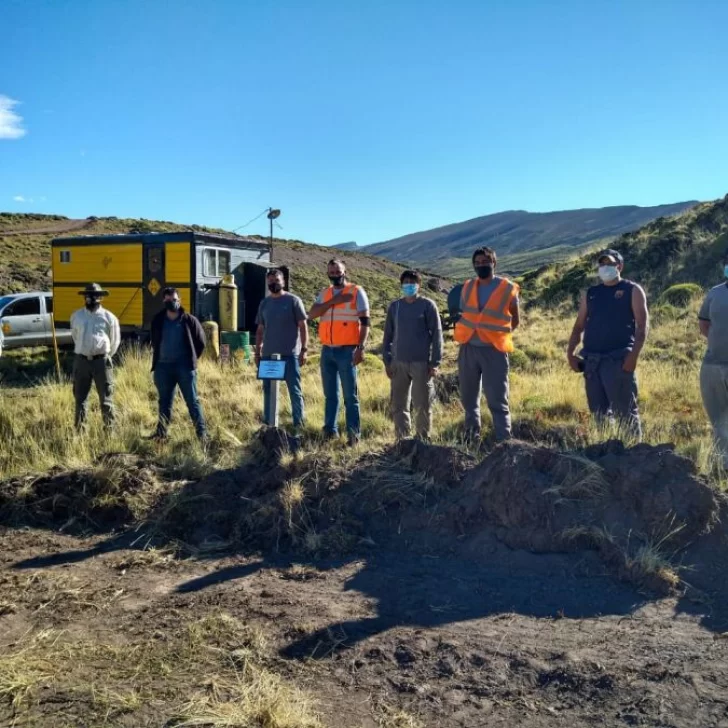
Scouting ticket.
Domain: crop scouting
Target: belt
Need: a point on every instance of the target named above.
(91, 358)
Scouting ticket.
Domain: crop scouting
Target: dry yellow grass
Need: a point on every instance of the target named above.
(211, 673)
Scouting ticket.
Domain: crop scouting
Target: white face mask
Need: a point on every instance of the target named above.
(608, 272)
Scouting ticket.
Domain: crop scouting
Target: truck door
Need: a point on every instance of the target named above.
(22, 322)
(154, 280)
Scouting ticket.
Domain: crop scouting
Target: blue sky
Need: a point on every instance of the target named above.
(360, 120)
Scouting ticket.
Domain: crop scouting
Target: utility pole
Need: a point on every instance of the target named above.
(272, 215)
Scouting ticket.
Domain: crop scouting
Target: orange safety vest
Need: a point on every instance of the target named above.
(493, 323)
(340, 325)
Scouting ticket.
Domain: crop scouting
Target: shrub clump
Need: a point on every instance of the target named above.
(681, 294)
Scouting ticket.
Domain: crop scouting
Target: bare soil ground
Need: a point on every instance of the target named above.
(468, 607)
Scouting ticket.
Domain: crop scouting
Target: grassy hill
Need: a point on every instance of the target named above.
(25, 262)
(683, 249)
(522, 239)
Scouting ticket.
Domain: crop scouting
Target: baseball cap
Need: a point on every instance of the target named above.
(611, 254)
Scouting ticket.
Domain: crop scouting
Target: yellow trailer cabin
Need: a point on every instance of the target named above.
(136, 268)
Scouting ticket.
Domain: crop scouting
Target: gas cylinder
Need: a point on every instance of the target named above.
(212, 334)
(228, 304)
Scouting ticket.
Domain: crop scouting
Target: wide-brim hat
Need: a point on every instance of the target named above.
(93, 289)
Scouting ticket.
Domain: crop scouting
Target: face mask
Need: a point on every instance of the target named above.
(275, 287)
(608, 272)
(337, 280)
(484, 271)
(409, 289)
(92, 304)
(172, 305)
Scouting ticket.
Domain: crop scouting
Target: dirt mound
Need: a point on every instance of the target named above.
(643, 510)
(311, 502)
(112, 494)
(637, 507)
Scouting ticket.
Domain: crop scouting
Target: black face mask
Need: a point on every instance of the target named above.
(92, 303)
(275, 287)
(172, 305)
(337, 280)
(484, 271)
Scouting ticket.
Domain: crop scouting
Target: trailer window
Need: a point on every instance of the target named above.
(215, 263)
(65, 256)
(154, 260)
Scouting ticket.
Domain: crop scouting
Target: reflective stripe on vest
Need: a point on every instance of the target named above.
(492, 324)
(340, 325)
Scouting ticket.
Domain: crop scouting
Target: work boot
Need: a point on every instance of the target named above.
(353, 439)
(329, 434)
(158, 436)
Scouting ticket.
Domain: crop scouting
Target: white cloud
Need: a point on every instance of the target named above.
(20, 198)
(11, 124)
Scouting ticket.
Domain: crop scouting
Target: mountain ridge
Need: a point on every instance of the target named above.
(519, 232)
(685, 248)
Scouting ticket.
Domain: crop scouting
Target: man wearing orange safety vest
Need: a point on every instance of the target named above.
(488, 316)
(343, 330)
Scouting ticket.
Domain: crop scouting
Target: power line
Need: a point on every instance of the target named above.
(250, 222)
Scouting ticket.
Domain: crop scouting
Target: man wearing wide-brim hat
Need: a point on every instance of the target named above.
(96, 338)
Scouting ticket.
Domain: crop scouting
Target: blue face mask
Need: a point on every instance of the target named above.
(725, 271)
(409, 289)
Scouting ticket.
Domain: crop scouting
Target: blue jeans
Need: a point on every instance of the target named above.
(337, 365)
(293, 382)
(166, 379)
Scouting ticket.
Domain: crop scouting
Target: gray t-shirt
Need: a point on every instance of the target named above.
(280, 317)
(413, 332)
(485, 291)
(715, 310)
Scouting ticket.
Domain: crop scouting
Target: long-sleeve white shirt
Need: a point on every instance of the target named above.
(95, 332)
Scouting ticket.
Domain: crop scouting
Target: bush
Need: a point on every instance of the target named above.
(518, 359)
(681, 294)
(665, 312)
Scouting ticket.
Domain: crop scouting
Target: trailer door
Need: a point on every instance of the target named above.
(154, 280)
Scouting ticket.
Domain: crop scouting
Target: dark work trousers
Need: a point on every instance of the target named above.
(98, 371)
(169, 376)
(611, 392)
(486, 368)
